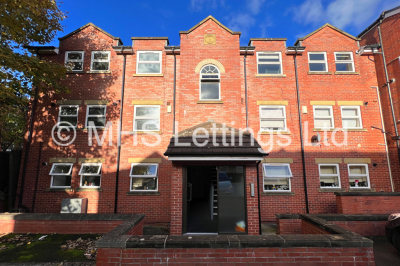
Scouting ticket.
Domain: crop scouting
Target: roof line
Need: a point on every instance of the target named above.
(377, 21)
(85, 26)
(267, 39)
(324, 26)
(216, 21)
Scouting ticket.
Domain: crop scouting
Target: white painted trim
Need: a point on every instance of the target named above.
(143, 176)
(327, 117)
(271, 63)
(358, 117)
(60, 174)
(289, 177)
(77, 113)
(273, 118)
(87, 114)
(205, 158)
(361, 175)
(74, 60)
(345, 61)
(205, 81)
(328, 175)
(147, 117)
(93, 174)
(100, 60)
(148, 62)
(318, 61)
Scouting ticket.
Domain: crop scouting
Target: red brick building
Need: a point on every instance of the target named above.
(226, 180)
(381, 41)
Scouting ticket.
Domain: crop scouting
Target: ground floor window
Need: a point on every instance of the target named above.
(277, 177)
(90, 174)
(329, 175)
(144, 177)
(358, 175)
(61, 175)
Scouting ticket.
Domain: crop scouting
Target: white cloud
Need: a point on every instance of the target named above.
(264, 25)
(198, 5)
(341, 13)
(241, 22)
(255, 6)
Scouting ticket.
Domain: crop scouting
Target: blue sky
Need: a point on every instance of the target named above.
(254, 18)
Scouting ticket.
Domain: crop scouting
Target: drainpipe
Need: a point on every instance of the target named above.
(28, 145)
(389, 90)
(301, 133)
(37, 176)
(245, 90)
(119, 134)
(258, 198)
(173, 123)
(384, 137)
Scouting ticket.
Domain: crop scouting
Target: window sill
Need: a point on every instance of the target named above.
(212, 102)
(331, 190)
(346, 73)
(362, 189)
(76, 72)
(319, 73)
(275, 133)
(355, 130)
(94, 128)
(148, 75)
(271, 75)
(84, 189)
(98, 72)
(145, 132)
(53, 189)
(322, 129)
(149, 193)
(277, 194)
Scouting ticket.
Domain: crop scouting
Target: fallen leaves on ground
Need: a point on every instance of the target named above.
(87, 245)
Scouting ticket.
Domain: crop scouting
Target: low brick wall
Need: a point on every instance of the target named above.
(364, 228)
(309, 228)
(67, 223)
(367, 202)
(288, 224)
(237, 256)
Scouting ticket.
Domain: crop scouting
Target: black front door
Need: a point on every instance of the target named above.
(215, 200)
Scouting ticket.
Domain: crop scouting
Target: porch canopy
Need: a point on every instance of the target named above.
(211, 141)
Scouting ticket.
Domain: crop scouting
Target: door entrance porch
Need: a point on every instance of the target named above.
(215, 201)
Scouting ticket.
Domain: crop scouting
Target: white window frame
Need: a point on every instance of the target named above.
(60, 174)
(100, 60)
(332, 117)
(345, 61)
(87, 115)
(60, 115)
(270, 63)
(74, 60)
(361, 175)
(148, 62)
(318, 61)
(358, 117)
(90, 174)
(328, 175)
(159, 117)
(143, 176)
(205, 81)
(273, 118)
(265, 175)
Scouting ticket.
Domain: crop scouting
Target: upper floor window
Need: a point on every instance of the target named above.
(210, 83)
(329, 175)
(148, 62)
(344, 61)
(90, 174)
(75, 60)
(272, 118)
(269, 63)
(146, 118)
(277, 177)
(351, 117)
(61, 175)
(144, 177)
(317, 62)
(97, 115)
(69, 115)
(323, 117)
(358, 175)
(100, 61)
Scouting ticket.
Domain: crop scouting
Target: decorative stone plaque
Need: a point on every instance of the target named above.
(74, 205)
(209, 39)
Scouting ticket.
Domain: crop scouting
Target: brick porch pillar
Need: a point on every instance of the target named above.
(176, 200)
(252, 202)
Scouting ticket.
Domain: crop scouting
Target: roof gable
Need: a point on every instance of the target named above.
(323, 27)
(84, 27)
(213, 19)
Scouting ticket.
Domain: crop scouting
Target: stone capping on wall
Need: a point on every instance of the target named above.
(367, 193)
(73, 217)
(340, 238)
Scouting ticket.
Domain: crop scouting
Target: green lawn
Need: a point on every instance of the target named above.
(47, 250)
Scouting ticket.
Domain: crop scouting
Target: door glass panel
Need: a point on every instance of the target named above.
(231, 200)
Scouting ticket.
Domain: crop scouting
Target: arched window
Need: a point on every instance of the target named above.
(210, 83)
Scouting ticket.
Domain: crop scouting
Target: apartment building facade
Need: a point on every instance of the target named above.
(187, 113)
